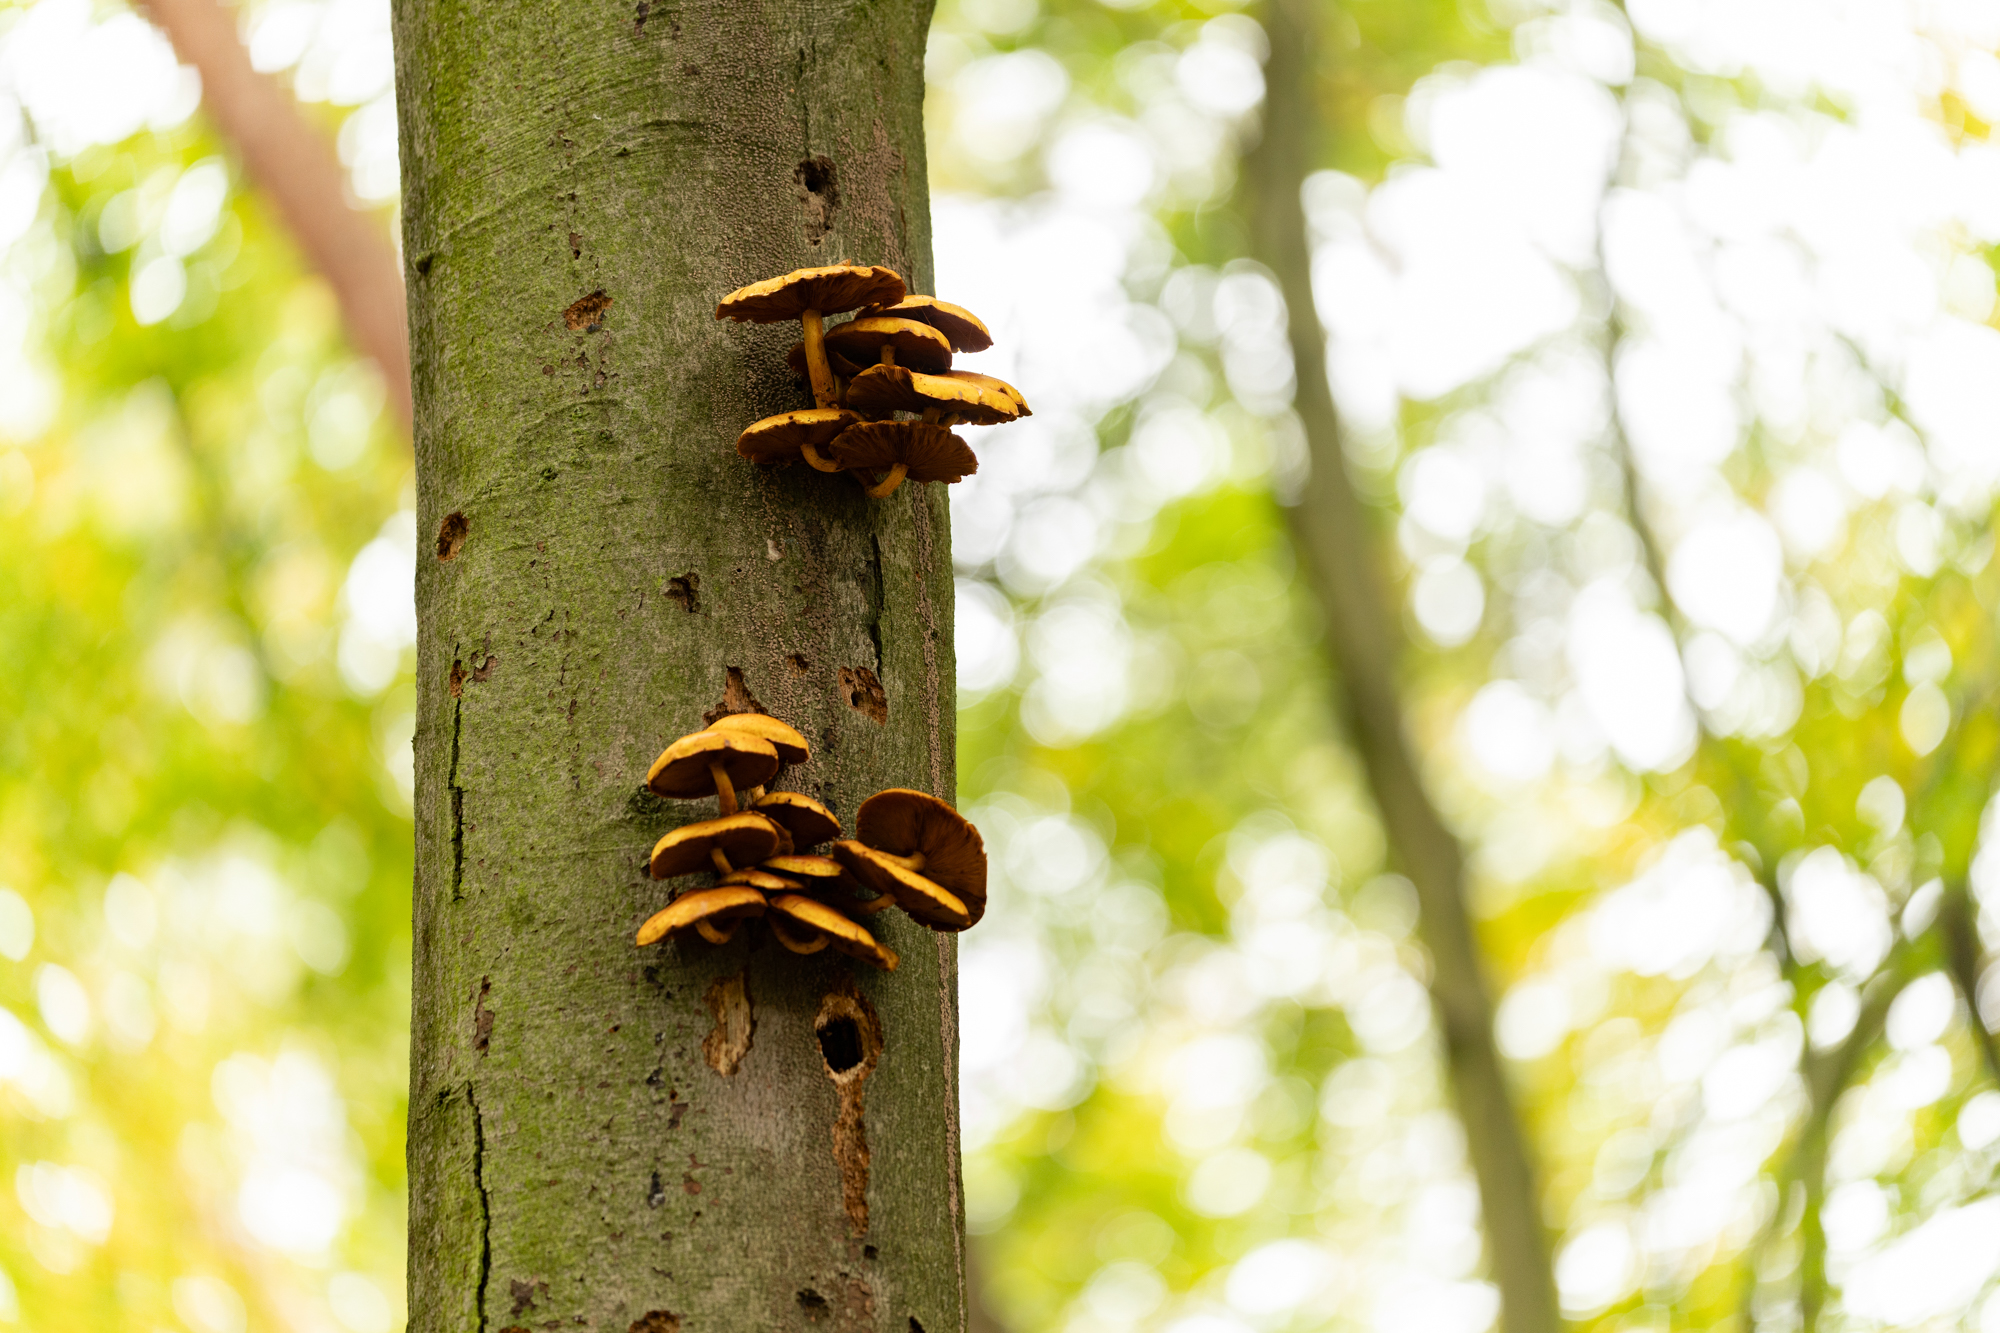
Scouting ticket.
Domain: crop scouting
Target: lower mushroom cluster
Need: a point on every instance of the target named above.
(910, 850)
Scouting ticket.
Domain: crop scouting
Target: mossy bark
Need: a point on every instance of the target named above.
(681, 1137)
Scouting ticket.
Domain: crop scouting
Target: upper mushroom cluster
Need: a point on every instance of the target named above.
(884, 392)
(910, 850)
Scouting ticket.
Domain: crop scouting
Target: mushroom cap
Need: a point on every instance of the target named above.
(743, 838)
(904, 823)
(702, 905)
(756, 877)
(880, 390)
(932, 453)
(682, 768)
(811, 870)
(830, 290)
(791, 747)
(778, 439)
(918, 346)
(847, 935)
(926, 900)
(965, 330)
(809, 822)
(993, 382)
(796, 360)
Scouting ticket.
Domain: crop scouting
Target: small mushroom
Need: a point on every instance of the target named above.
(713, 762)
(790, 435)
(823, 877)
(712, 913)
(993, 382)
(756, 877)
(880, 390)
(913, 450)
(791, 747)
(807, 295)
(922, 833)
(923, 898)
(892, 342)
(741, 839)
(809, 822)
(827, 926)
(812, 872)
(963, 329)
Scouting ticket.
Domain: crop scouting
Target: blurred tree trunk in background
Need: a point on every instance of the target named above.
(1365, 640)
(295, 165)
(600, 573)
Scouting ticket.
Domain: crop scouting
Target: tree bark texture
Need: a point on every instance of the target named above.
(687, 1136)
(1365, 641)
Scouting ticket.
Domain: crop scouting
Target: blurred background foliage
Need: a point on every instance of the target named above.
(1663, 342)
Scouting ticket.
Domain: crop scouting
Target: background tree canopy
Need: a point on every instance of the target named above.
(1664, 341)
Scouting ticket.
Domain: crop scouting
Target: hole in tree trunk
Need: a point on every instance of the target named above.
(840, 1043)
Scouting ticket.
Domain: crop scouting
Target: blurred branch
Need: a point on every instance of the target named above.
(292, 162)
(1365, 640)
(1826, 1076)
(1958, 930)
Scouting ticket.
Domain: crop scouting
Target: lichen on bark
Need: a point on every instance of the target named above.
(580, 185)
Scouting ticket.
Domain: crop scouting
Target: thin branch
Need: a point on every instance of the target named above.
(1365, 640)
(293, 164)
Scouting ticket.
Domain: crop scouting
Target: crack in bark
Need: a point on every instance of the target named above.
(873, 590)
(451, 783)
(485, 1205)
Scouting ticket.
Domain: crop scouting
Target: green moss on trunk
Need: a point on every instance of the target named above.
(580, 185)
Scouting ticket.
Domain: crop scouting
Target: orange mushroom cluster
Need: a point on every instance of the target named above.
(910, 850)
(885, 395)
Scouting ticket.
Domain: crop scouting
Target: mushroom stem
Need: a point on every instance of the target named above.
(914, 861)
(819, 461)
(755, 793)
(714, 936)
(722, 865)
(888, 354)
(725, 790)
(931, 415)
(887, 486)
(786, 939)
(825, 394)
(874, 905)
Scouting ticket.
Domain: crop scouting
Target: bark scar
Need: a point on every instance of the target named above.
(862, 689)
(735, 1023)
(586, 315)
(736, 698)
(850, 1045)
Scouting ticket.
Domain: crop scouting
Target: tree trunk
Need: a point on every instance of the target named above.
(1364, 638)
(604, 1137)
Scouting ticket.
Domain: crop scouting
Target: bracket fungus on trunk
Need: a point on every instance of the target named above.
(954, 398)
(809, 295)
(800, 434)
(908, 450)
(713, 763)
(711, 913)
(894, 357)
(925, 835)
(869, 340)
(965, 331)
(811, 902)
